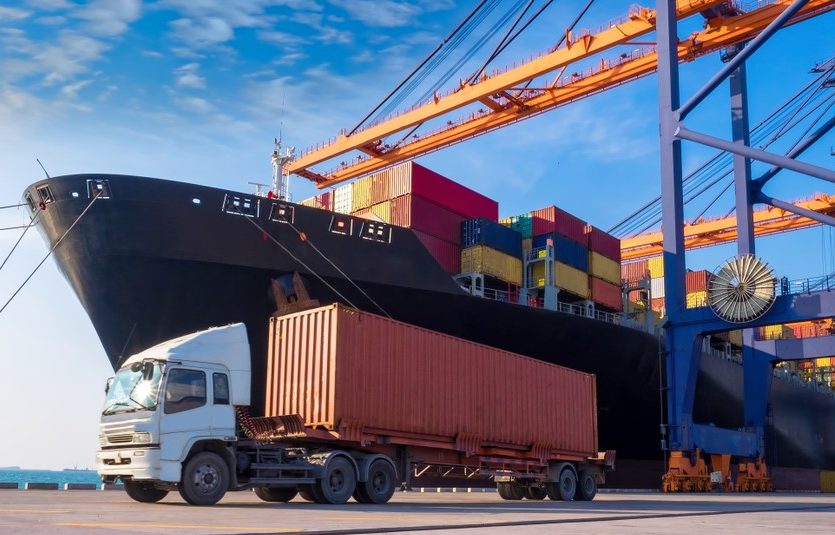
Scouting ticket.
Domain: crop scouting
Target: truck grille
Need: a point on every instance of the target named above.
(120, 439)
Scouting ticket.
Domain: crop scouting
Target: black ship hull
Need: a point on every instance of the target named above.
(154, 259)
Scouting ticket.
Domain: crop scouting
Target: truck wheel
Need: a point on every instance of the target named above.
(205, 479)
(511, 490)
(565, 488)
(536, 492)
(586, 486)
(380, 485)
(338, 482)
(144, 492)
(276, 494)
(308, 493)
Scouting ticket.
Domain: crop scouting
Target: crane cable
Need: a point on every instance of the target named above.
(26, 228)
(51, 249)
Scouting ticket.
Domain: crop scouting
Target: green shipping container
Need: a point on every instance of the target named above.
(523, 224)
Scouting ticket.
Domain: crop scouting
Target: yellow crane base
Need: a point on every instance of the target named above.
(689, 473)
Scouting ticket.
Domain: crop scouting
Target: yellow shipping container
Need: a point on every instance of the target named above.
(777, 332)
(697, 299)
(827, 481)
(565, 277)
(604, 268)
(481, 259)
(656, 267)
(361, 194)
(823, 362)
(383, 211)
(527, 243)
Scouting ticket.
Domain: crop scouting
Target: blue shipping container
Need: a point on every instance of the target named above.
(482, 231)
(566, 250)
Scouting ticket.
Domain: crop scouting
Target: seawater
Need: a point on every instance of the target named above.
(49, 476)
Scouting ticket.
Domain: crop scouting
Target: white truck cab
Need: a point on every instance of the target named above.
(166, 400)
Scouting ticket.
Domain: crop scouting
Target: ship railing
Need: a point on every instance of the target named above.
(582, 310)
(815, 284)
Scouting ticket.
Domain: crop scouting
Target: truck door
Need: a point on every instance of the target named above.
(222, 413)
(186, 411)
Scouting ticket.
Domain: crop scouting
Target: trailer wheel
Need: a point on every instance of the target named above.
(379, 487)
(536, 492)
(338, 482)
(205, 479)
(565, 488)
(276, 494)
(144, 492)
(511, 490)
(586, 486)
(308, 493)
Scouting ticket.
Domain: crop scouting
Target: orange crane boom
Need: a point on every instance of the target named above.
(502, 108)
(723, 230)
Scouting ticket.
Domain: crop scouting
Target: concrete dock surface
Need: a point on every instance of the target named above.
(86, 511)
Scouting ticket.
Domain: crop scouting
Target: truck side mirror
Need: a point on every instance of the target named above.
(147, 370)
(107, 385)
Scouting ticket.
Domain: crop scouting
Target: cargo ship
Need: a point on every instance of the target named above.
(152, 259)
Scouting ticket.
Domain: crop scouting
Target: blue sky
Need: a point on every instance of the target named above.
(195, 90)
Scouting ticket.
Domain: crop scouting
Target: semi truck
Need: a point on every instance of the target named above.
(356, 404)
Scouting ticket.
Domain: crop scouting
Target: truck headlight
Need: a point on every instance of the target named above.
(102, 440)
(142, 438)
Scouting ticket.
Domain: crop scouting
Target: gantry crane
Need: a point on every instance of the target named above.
(506, 98)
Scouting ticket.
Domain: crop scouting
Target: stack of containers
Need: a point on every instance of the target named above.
(696, 286)
(655, 265)
(604, 268)
(412, 196)
(567, 234)
(492, 249)
(323, 201)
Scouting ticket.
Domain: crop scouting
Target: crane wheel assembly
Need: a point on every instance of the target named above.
(688, 472)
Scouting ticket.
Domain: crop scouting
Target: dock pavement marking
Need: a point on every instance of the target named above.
(35, 511)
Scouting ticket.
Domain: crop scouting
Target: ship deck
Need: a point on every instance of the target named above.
(71, 512)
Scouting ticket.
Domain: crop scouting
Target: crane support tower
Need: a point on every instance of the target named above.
(689, 441)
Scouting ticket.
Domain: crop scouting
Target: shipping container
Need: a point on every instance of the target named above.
(310, 201)
(553, 219)
(696, 299)
(523, 224)
(420, 214)
(656, 267)
(412, 179)
(566, 278)
(367, 213)
(447, 254)
(823, 362)
(606, 293)
(604, 268)
(527, 244)
(776, 332)
(658, 305)
(634, 271)
(342, 198)
(656, 287)
(325, 200)
(345, 371)
(361, 195)
(602, 242)
(382, 210)
(566, 250)
(696, 281)
(380, 191)
(482, 231)
(481, 259)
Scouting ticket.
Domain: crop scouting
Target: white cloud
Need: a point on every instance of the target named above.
(203, 32)
(55, 20)
(194, 104)
(283, 39)
(109, 90)
(11, 13)
(71, 90)
(187, 76)
(290, 59)
(151, 53)
(70, 56)
(380, 13)
(109, 17)
(331, 35)
(50, 5)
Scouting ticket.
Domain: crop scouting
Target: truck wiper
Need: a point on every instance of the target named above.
(109, 409)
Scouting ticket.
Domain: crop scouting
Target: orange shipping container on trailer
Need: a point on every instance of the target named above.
(340, 368)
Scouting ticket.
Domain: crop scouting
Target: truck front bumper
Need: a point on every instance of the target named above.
(136, 463)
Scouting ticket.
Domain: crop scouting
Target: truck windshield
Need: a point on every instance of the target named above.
(131, 392)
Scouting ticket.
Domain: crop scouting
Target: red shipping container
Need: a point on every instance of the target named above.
(447, 254)
(380, 187)
(346, 370)
(657, 304)
(634, 271)
(411, 178)
(553, 219)
(603, 243)
(417, 213)
(696, 281)
(606, 293)
(325, 200)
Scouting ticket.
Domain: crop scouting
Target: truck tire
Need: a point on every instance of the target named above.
(205, 479)
(586, 486)
(308, 493)
(535, 492)
(338, 481)
(379, 487)
(276, 494)
(565, 488)
(511, 490)
(144, 492)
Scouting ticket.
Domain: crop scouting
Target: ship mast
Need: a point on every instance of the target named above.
(281, 179)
